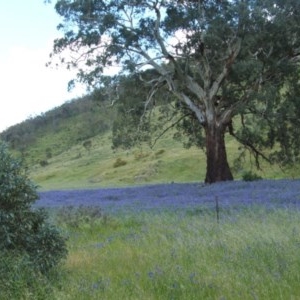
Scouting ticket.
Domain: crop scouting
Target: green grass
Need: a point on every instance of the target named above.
(167, 162)
(248, 255)
(79, 168)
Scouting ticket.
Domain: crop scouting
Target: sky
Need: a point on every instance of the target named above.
(27, 87)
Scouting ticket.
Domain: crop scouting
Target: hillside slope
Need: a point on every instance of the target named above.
(70, 147)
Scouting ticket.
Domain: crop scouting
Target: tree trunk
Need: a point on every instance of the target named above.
(217, 167)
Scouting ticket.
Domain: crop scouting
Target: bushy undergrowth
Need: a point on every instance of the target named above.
(251, 176)
(76, 217)
(119, 163)
(28, 242)
(18, 280)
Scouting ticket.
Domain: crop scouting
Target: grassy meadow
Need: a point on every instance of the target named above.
(249, 253)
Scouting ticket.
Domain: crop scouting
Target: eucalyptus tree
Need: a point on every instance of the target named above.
(231, 64)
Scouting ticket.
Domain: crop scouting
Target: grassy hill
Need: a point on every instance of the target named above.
(70, 147)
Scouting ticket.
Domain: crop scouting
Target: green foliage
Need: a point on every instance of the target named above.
(129, 127)
(19, 281)
(250, 176)
(160, 152)
(44, 163)
(42, 137)
(119, 163)
(207, 62)
(87, 145)
(48, 153)
(23, 229)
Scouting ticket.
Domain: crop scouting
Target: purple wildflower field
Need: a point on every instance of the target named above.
(283, 193)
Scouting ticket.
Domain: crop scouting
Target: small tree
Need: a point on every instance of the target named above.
(23, 229)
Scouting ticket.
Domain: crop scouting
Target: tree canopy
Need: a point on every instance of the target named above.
(228, 66)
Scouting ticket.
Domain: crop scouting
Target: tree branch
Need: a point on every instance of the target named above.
(200, 115)
(230, 60)
(167, 129)
(251, 147)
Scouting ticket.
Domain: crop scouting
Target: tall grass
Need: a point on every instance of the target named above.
(250, 254)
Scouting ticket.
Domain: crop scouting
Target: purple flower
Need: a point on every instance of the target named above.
(179, 196)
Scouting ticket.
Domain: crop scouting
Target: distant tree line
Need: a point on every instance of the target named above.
(83, 118)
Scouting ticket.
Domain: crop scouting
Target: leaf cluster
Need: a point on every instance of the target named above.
(24, 230)
(131, 125)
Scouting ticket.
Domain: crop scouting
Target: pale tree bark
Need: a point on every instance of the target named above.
(202, 103)
(212, 117)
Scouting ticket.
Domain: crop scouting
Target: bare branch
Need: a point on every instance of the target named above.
(158, 35)
(195, 88)
(167, 129)
(197, 110)
(230, 60)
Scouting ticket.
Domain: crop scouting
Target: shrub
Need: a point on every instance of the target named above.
(159, 152)
(119, 163)
(250, 176)
(48, 153)
(139, 155)
(44, 163)
(75, 217)
(22, 229)
(87, 145)
(18, 281)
